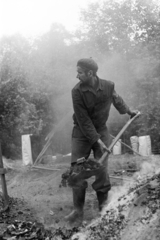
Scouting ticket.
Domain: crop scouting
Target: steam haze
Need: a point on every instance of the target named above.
(38, 50)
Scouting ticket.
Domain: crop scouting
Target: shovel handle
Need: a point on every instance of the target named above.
(105, 155)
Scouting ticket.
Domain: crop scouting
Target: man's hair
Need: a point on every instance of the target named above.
(88, 64)
(87, 70)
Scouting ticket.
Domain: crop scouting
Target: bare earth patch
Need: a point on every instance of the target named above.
(37, 196)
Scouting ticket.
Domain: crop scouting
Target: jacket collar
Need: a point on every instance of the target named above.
(85, 88)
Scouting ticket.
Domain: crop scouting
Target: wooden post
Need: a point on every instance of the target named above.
(3, 181)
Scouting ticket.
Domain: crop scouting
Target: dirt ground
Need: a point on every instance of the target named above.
(48, 203)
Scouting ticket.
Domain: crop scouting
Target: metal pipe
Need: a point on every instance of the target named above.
(104, 157)
(44, 168)
(127, 146)
(121, 178)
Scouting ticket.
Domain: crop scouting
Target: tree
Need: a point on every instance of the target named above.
(33, 75)
(18, 115)
(129, 29)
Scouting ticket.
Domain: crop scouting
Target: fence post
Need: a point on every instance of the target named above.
(3, 181)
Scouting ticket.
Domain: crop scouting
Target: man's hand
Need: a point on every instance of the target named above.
(102, 145)
(132, 113)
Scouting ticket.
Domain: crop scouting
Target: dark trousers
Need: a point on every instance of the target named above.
(81, 147)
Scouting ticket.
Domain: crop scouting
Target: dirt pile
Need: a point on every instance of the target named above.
(135, 215)
(20, 223)
(38, 205)
(22, 230)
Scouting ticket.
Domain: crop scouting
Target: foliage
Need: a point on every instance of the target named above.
(131, 29)
(33, 74)
(37, 74)
(21, 111)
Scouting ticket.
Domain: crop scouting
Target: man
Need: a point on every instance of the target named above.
(92, 98)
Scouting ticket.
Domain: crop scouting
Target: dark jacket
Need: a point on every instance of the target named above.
(91, 108)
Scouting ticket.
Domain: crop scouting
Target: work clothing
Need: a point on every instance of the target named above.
(78, 202)
(102, 198)
(91, 111)
(91, 108)
(79, 175)
(81, 147)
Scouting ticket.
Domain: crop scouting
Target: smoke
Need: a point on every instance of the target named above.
(79, 236)
(114, 68)
(118, 195)
(149, 166)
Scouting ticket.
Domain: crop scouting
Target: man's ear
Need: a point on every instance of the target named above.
(90, 73)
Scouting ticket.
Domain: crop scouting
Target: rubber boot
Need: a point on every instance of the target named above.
(102, 198)
(78, 201)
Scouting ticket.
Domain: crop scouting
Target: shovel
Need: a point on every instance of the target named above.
(85, 172)
(104, 157)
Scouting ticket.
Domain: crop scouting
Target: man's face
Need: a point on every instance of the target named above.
(82, 76)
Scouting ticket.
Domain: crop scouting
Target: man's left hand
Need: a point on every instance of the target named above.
(132, 113)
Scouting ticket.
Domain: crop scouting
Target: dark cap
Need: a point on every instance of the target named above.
(88, 64)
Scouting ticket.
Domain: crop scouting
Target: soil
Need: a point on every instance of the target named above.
(36, 194)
